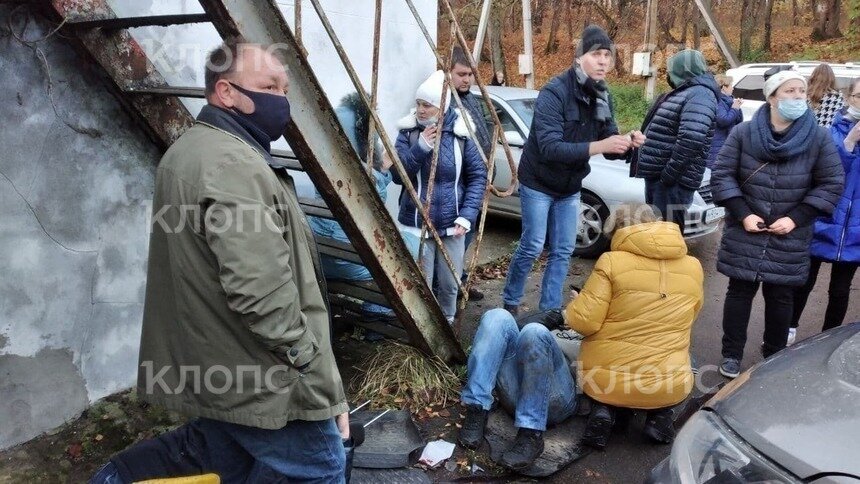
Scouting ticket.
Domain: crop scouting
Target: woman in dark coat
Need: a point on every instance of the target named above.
(837, 238)
(775, 174)
(728, 116)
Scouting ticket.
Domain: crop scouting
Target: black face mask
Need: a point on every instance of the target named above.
(271, 112)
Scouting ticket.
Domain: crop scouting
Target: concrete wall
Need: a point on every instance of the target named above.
(73, 239)
(75, 187)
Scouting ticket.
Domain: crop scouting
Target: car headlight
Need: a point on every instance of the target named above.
(707, 451)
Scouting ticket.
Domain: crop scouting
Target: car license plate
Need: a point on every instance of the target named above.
(714, 214)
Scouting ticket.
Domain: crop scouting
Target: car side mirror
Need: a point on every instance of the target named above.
(514, 139)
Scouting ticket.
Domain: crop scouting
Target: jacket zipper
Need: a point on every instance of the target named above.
(844, 230)
(662, 279)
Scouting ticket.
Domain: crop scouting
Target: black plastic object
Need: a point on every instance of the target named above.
(552, 319)
(390, 442)
(561, 444)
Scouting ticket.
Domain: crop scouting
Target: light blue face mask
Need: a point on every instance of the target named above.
(791, 109)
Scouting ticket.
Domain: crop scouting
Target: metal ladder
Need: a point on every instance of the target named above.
(315, 137)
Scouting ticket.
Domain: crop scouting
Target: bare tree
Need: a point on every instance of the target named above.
(749, 22)
(826, 20)
(795, 14)
(552, 38)
(768, 16)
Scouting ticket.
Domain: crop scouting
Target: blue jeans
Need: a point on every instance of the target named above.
(302, 451)
(543, 214)
(527, 368)
(670, 202)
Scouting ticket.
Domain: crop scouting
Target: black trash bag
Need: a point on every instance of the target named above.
(356, 438)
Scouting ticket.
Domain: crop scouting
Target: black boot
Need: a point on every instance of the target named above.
(659, 427)
(472, 432)
(599, 426)
(527, 447)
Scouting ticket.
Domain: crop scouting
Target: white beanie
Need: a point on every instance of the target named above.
(431, 90)
(778, 79)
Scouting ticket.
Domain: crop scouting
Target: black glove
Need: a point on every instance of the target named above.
(356, 438)
(553, 319)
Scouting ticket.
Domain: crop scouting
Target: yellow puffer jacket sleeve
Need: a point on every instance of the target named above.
(587, 312)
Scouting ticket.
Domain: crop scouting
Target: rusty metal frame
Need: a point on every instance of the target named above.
(123, 59)
(319, 142)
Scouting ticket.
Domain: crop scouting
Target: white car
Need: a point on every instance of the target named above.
(748, 80)
(608, 184)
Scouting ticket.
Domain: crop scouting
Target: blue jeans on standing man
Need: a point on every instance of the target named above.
(543, 215)
(527, 368)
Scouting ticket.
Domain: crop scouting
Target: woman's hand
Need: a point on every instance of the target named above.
(459, 230)
(387, 162)
(852, 138)
(736, 103)
(637, 138)
(754, 224)
(782, 226)
(429, 135)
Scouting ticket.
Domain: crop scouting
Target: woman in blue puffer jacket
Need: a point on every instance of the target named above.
(837, 238)
(728, 116)
(459, 185)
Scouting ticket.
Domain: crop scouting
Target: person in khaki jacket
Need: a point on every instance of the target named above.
(236, 324)
(636, 311)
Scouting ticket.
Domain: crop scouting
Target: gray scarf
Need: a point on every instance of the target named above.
(598, 91)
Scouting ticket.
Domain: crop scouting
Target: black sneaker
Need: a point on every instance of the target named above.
(730, 367)
(514, 309)
(527, 447)
(659, 427)
(599, 426)
(472, 432)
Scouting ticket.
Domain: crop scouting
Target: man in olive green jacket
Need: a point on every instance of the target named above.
(236, 327)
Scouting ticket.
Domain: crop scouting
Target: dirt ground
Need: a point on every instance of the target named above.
(73, 452)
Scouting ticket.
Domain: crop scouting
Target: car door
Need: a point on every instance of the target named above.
(502, 177)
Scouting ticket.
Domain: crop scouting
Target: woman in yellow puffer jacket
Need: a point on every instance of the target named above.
(636, 312)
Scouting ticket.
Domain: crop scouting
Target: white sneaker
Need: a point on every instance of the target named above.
(792, 335)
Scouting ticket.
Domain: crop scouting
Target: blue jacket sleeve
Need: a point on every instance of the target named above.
(692, 143)
(548, 128)
(413, 157)
(727, 117)
(724, 176)
(475, 180)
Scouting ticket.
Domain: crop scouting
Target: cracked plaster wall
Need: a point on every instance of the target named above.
(73, 240)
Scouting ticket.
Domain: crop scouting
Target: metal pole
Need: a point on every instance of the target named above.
(719, 36)
(482, 30)
(374, 87)
(527, 41)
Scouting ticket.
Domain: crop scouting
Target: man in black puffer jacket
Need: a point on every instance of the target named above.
(674, 158)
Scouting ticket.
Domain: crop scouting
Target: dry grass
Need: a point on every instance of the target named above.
(399, 376)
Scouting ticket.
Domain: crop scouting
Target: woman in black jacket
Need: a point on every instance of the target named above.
(775, 174)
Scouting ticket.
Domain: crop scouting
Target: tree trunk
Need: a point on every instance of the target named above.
(570, 33)
(827, 19)
(768, 16)
(552, 38)
(749, 21)
(497, 52)
(795, 14)
(685, 7)
(697, 27)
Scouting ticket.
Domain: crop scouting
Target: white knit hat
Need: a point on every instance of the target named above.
(431, 90)
(778, 79)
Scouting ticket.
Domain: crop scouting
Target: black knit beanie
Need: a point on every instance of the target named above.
(593, 38)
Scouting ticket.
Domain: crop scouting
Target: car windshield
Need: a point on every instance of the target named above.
(525, 109)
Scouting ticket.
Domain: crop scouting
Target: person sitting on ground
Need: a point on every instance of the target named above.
(354, 117)
(459, 184)
(636, 311)
(530, 369)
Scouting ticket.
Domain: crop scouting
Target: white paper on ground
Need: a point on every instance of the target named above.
(436, 452)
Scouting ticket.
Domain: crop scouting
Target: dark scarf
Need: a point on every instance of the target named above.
(230, 122)
(792, 142)
(598, 92)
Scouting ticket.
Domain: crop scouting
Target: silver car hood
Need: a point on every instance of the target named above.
(801, 408)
